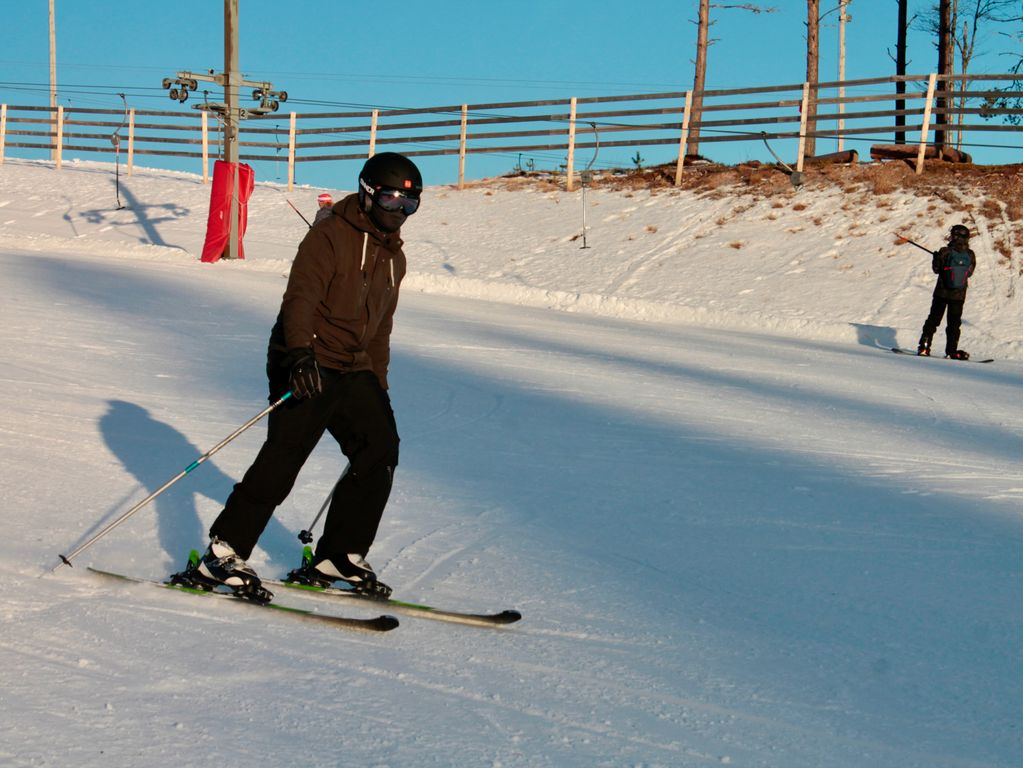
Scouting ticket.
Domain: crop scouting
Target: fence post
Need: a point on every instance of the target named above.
(131, 140)
(3, 129)
(205, 148)
(926, 126)
(804, 107)
(291, 153)
(570, 166)
(373, 133)
(461, 146)
(59, 140)
(684, 139)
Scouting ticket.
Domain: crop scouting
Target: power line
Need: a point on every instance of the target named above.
(376, 77)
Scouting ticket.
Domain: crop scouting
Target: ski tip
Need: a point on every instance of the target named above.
(507, 617)
(385, 623)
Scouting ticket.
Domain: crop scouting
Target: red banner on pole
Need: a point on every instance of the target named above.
(220, 208)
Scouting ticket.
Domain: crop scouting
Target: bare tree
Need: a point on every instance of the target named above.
(956, 24)
(813, 21)
(700, 79)
(1006, 12)
(901, 33)
(703, 42)
(946, 53)
(1017, 38)
(1011, 100)
(974, 13)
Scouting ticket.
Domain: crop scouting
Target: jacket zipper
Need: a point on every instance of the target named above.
(367, 281)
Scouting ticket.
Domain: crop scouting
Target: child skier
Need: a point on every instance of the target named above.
(953, 264)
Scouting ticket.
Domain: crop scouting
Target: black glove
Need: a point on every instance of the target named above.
(305, 377)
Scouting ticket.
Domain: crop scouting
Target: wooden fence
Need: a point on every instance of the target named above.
(851, 110)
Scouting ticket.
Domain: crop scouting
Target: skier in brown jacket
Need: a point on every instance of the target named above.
(330, 347)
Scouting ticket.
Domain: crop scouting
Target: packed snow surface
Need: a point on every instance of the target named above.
(740, 531)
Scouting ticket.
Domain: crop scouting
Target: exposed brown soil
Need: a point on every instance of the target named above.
(994, 192)
(1001, 182)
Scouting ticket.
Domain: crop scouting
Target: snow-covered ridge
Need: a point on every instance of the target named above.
(818, 262)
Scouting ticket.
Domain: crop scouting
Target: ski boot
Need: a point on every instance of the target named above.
(356, 574)
(924, 348)
(959, 354)
(220, 566)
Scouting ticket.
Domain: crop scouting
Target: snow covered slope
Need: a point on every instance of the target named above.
(739, 531)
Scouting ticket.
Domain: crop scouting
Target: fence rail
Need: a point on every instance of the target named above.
(799, 111)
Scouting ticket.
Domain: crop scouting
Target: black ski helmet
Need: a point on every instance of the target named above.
(960, 232)
(388, 170)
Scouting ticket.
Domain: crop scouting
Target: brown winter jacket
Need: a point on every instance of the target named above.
(342, 293)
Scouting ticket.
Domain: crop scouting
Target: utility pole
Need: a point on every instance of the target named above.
(229, 112)
(813, 17)
(53, 82)
(843, 17)
(232, 80)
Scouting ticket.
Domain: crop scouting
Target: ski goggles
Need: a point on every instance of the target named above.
(393, 200)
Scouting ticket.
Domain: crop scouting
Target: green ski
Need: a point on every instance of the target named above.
(376, 624)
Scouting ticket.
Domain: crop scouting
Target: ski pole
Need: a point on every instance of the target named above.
(115, 139)
(306, 536)
(66, 559)
(299, 213)
(905, 239)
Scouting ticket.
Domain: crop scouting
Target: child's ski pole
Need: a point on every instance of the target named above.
(904, 239)
(299, 213)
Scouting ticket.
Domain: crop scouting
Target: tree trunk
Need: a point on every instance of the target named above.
(946, 53)
(699, 81)
(900, 68)
(812, 67)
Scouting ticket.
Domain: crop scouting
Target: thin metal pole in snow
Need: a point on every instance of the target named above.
(66, 559)
(585, 179)
(115, 139)
(587, 176)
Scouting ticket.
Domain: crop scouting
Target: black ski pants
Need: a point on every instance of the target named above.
(939, 305)
(356, 411)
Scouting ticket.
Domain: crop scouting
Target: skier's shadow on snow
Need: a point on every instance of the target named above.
(154, 452)
(875, 335)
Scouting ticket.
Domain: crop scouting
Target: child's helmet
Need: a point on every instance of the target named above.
(960, 232)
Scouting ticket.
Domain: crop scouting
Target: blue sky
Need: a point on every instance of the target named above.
(443, 52)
